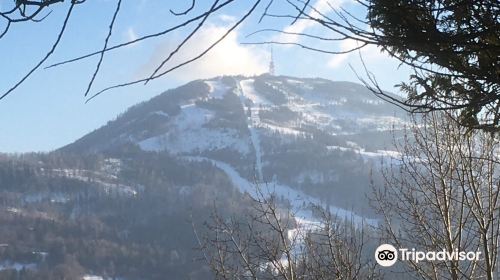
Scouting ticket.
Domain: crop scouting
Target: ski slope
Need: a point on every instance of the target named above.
(301, 205)
(246, 90)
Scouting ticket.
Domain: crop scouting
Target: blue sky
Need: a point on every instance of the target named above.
(49, 110)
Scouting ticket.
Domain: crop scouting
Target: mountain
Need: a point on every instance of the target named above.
(314, 135)
(122, 201)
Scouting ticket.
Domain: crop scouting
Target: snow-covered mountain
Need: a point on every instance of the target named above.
(314, 135)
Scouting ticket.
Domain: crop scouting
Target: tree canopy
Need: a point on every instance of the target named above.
(454, 48)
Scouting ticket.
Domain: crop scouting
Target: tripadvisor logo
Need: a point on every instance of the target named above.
(387, 255)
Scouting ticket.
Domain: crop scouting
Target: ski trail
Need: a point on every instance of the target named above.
(300, 206)
(299, 201)
(253, 122)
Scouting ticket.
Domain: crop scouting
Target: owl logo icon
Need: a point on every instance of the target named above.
(386, 255)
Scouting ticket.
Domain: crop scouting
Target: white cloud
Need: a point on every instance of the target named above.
(370, 54)
(227, 58)
(339, 59)
(131, 35)
(227, 18)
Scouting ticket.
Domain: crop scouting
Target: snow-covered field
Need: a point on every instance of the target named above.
(249, 92)
(187, 133)
(216, 89)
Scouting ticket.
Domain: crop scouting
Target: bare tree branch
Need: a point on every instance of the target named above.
(185, 12)
(49, 53)
(117, 9)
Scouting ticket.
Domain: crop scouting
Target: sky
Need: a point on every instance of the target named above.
(49, 111)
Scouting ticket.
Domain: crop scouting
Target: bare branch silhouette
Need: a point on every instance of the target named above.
(111, 25)
(191, 7)
(49, 53)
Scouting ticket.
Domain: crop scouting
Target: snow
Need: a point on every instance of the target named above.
(153, 144)
(16, 266)
(13, 210)
(192, 116)
(40, 253)
(292, 81)
(184, 191)
(92, 277)
(184, 106)
(316, 98)
(112, 167)
(196, 140)
(96, 277)
(311, 113)
(381, 153)
(353, 144)
(381, 123)
(282, 129)
(339, 148)
(160, 113)
(373, 101)
(187, 133)
(248, 91)
(314, 176)
(57, 197)
(217, 89)
(368, 155)
(258, 154)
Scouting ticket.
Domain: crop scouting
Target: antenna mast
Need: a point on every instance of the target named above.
(271, 63)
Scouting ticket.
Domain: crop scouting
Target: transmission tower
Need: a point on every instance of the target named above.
(271, 63)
